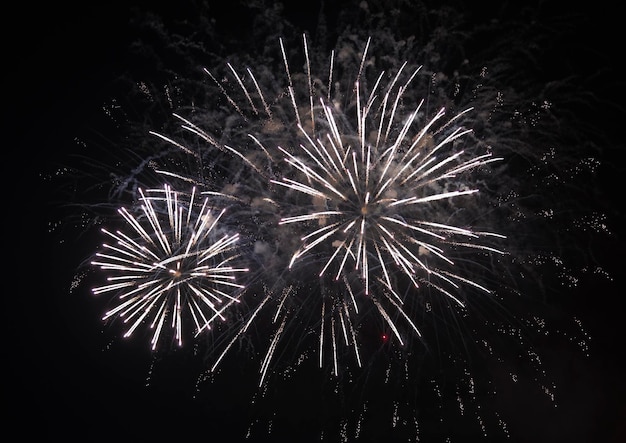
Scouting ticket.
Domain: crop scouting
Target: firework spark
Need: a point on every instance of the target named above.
(171, 264)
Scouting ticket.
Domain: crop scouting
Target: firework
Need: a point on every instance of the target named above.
(373, 192)
(172, 264)
(376, 199)
(379, 198)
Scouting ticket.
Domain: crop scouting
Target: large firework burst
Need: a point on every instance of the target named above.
(373, 188)
(372, 196)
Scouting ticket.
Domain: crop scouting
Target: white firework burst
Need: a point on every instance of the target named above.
(373, 198)
(374, 189)
(171, 265)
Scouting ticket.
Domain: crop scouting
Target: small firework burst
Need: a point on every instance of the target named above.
(171, 266)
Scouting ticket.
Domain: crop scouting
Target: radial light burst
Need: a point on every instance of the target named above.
(374, 188)
(376, 198)
(171, 265)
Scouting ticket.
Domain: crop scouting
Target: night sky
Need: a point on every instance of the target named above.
(67, 379)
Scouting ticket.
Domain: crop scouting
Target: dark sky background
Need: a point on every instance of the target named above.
(59, 63)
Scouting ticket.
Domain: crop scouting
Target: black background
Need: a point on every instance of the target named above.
(58, 62)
